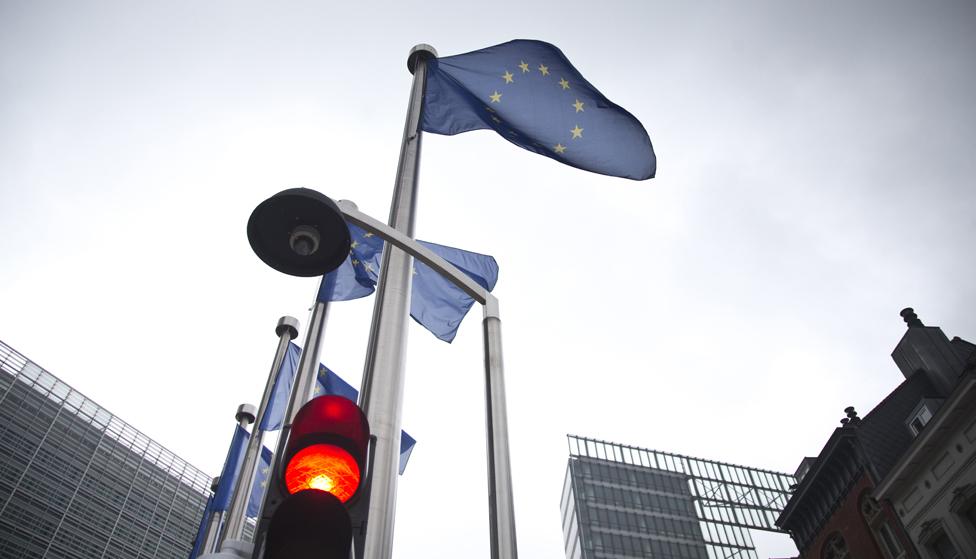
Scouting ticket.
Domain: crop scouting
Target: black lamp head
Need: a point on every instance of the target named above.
(299, 232)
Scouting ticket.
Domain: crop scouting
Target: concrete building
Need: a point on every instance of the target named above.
(76, 482)
(625, 502)
(869, 493)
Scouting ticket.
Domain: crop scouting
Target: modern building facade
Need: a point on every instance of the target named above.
(899, 483)
(76, 482)
(625, 502)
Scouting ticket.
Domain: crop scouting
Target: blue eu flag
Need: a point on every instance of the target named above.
(260, 483)
(202, 530)
(530, 94)
(436, 303)
(281, 390)
(327, 383)
(331, 383)
(232, 467)
(358, 274)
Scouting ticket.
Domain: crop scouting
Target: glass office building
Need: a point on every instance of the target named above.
(76, 482)
(623, 502)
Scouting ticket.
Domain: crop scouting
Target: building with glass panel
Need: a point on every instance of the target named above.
(624, 502)
(76, 482)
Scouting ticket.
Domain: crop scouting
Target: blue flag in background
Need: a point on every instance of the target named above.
(327, 383)
(202, 530)
(357, 276)
(260, 483)
(436, 304)
(220, 500)
(331, 383)
(530, 94)
(282, 388)
(232, 466)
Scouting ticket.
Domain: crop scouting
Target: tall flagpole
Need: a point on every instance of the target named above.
(301, 392)
(381, 394)
(501, 506)
(287, 330)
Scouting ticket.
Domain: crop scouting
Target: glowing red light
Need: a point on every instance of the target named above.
(324, 467)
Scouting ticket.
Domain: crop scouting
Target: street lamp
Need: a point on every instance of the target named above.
(299, 232)
(304, 233)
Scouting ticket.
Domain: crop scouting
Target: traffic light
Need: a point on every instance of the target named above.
(322, 475)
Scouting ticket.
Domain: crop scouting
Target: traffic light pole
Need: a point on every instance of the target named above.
(381, 394)
(287, 330)
(500, 504)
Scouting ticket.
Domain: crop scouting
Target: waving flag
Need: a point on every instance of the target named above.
(327, 383)
(435, 303)
(530, 94)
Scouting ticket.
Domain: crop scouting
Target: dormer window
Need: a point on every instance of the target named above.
(920, 419)
(922, 414)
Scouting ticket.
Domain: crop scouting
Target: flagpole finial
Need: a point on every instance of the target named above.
(422, 50)
(287, 324)
(246, 413)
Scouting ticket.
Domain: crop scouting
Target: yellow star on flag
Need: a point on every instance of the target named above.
(559, 148)
(577, 132)
(354, 244)
(579, 106)
(544, 69)
(508, 77)
(496, 97)
(564, 83)
(368, 234)
(524, 66)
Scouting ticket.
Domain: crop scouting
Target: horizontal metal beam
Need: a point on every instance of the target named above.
(420, 252)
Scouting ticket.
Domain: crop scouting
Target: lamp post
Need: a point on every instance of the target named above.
(302, 232)
(500, 500)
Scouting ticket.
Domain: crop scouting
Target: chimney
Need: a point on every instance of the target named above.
(926, 348)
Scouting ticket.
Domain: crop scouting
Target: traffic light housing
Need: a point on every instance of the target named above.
(321, 480)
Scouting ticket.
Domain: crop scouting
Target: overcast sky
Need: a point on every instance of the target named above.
(815, 164)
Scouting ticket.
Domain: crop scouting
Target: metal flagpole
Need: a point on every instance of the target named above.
(301, 392)
(287, 330)
(500, 501)
(213, 524)
(244, 417)
(381, 394)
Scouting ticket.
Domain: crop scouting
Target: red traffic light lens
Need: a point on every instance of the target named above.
(324, 467)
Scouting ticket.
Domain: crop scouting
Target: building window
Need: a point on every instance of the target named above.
(882, 532)
(920, 419)
(835, 548)
(971, 516)
(889, 543)
(936, 541)
(942, 548)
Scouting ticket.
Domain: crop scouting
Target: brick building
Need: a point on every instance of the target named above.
(835, 511)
